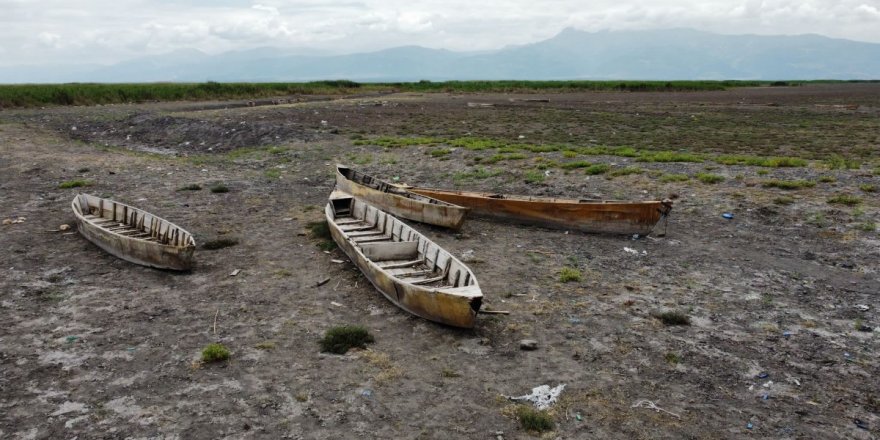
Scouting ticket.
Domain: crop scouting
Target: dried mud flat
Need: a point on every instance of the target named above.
(779, 345)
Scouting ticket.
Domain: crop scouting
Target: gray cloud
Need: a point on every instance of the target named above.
(103, 31)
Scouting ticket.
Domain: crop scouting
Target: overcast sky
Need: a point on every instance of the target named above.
(105, 31)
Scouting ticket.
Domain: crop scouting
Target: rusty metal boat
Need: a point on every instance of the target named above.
(398, 201)
(411, 271)
(133, 234)
(586, 215)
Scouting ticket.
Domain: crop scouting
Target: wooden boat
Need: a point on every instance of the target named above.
(132, 234)
(411, 271)
(398, 201)
(598, 216)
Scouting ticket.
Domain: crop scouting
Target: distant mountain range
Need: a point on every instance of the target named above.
(572, 54)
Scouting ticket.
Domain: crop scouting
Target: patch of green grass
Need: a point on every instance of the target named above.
(783, 200)
(838, 162)
(668, 178)
(625, 171)
(668, 156)
(500, 157)
(534, 176)
(321, 231)
(190, 187)
(763, 172)
(533, 420)
(215, 352)
(827, 179)
(449, 373)
(219, 188)
(771, 162)
(845, 199)
(220, 243)
(672, 358)
(541, 148)
(273, 173)
(360, 159)
(475, 174)
(569, 274)
(788, 184)
(576, 164)
(867, 226)
(399, 142)
(340, 339)
(75, 184)
(440, 152)
(709, 178)
(276, 150)
(570, 154)
(817, 219)
(266, 345)
(599, 168)
(672, 318)
(868, 188)
(475, 144)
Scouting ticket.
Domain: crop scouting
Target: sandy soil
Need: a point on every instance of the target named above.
(778, 347)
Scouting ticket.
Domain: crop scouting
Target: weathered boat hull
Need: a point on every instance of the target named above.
(132, 234)
(398, 201)
(455, 302)
(594, 216)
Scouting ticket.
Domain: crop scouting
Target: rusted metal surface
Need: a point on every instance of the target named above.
(133, 234)
(430, 283)
(398, 201)
(595, 216)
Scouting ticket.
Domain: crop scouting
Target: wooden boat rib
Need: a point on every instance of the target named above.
(411, 271)
(596, 216)
(398, 201)
(133, 234)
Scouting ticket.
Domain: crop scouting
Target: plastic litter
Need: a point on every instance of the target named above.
(860, 424)
(727, 215)
(786, 334)
(71, 339)
(634, 252)
(367, 393)
(651, 405)
(749, 425)
(541, 396)
(862, 307)
(762, 375)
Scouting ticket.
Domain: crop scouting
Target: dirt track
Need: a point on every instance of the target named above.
(94, 347)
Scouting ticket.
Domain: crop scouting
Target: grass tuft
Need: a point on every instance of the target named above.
(220, 243)
(534, 176)
(671, 318)
(219, 188)
(845, 199)
(710, 178)
(190, 187)
(599, 168)
(340, 339)
(868, 188)
(788, 184)
(668, 178)
(215, 353)
(569, 274)
(75, 184)
(534, 420)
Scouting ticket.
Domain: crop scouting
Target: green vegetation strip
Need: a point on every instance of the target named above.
(27, 95)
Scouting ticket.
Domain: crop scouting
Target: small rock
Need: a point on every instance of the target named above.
(528, 344)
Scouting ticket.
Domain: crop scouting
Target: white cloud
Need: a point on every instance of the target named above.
(111, 30)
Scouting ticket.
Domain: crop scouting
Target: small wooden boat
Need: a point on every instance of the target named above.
(132, 234)
(398, 201)
(411, 271)
(598, 216)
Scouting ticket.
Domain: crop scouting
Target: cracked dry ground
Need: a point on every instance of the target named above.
(778, 347)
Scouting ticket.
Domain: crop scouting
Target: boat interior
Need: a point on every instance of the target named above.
(379, 185)
(396, 248)
(130, 222)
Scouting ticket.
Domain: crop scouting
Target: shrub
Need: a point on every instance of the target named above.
(215, 353)
(534, 176)
(440, 152)
(666, 178)
(190, 187)
(576, 164)
(219, 188)
(340, 339)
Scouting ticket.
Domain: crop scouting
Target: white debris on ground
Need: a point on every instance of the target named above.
(542, 396)
(635, 252)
